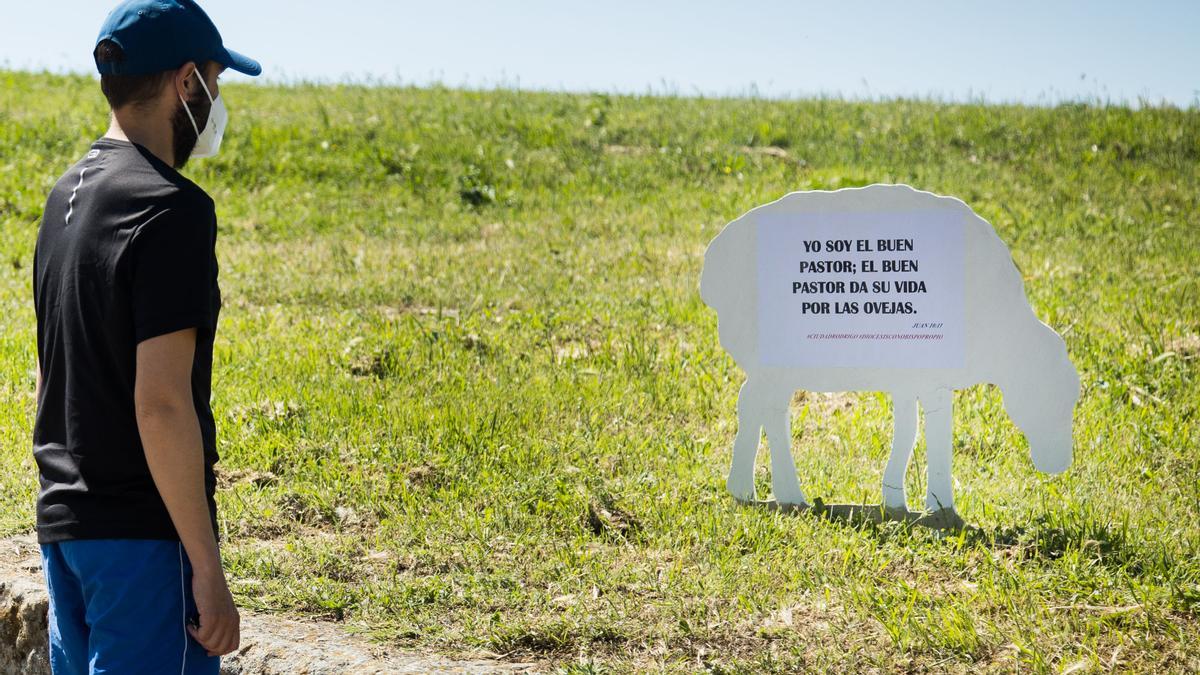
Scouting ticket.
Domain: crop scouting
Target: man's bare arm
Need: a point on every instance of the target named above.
(170, 432)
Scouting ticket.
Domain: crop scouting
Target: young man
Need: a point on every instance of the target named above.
(126, 296)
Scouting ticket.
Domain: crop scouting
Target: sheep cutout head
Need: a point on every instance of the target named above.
(881, 288)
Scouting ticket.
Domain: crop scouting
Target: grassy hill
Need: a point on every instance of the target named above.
(468, 398)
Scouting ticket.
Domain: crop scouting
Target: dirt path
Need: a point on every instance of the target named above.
(270, 644)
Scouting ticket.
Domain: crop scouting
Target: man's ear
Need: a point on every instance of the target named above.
(184, 81)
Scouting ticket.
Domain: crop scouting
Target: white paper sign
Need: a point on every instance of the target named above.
(861, 289)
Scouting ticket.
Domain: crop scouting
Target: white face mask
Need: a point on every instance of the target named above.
(208, 141)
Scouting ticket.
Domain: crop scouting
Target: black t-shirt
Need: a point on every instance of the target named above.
(125, 252)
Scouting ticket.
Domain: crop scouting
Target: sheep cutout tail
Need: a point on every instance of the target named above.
(986, 330)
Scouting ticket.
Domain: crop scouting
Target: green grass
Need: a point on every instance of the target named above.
(469, 400)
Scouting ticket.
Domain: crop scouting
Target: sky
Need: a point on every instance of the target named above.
(1038, 52)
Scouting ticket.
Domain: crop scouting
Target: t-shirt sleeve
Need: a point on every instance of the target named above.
(172, 272)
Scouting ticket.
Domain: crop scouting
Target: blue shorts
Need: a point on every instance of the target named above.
(121, 606)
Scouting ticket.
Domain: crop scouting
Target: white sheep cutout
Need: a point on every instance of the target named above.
(1003, 343)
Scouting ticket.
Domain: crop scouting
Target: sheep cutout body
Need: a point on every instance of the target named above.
(988, 334)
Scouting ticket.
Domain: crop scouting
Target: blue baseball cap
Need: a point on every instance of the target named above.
(158, 35)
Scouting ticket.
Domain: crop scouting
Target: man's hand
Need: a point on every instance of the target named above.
(220, 625)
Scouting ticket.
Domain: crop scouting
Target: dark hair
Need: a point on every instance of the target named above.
(123, 90)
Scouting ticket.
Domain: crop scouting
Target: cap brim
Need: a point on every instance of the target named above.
(239, 62)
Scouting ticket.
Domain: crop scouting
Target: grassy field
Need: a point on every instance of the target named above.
(468, 398)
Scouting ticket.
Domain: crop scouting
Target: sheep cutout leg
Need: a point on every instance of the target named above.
(939, 436)
(904, 439)
(759, 407)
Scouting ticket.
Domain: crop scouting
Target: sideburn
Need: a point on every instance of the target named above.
(183, 136)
